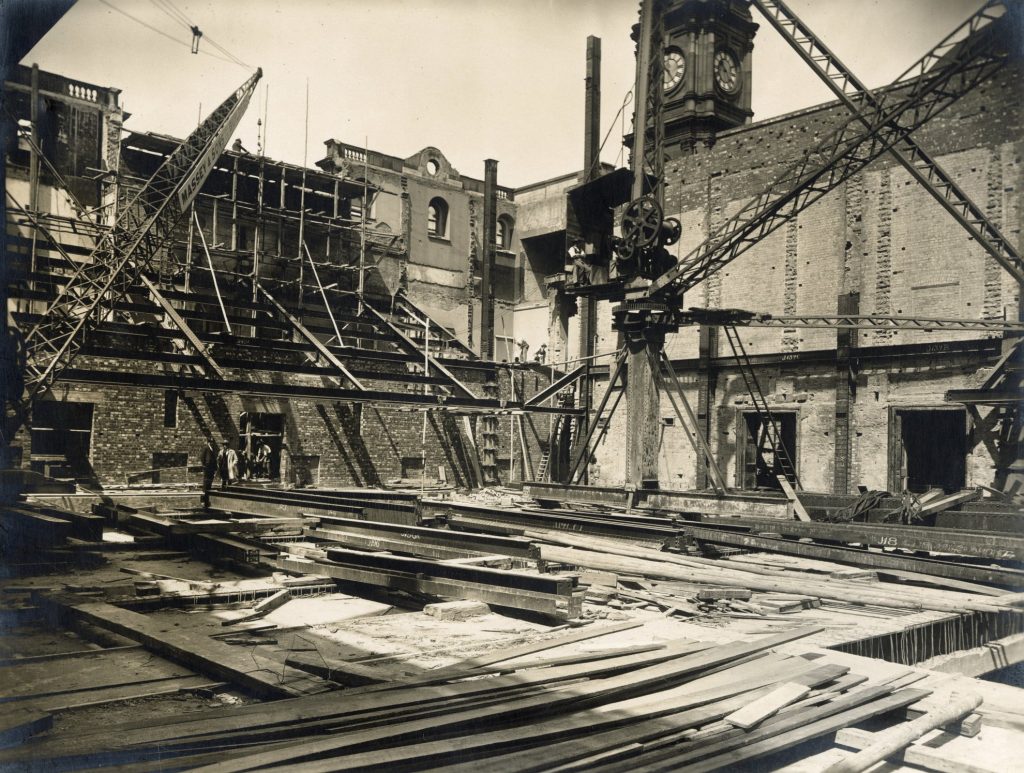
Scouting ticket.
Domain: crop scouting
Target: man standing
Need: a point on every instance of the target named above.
(263, 460)
(222, 464)
(209, 463)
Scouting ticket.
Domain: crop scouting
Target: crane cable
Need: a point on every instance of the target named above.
(179, 16)
(170, 37)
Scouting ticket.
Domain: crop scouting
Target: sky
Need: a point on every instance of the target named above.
(477, 79)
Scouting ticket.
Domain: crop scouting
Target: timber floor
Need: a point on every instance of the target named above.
(63, 676)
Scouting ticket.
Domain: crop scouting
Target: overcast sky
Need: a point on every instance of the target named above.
(476, 78)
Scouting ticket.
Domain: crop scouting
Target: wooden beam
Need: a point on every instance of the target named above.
(893, 740)
(556, 386)
(798, 509)
(784, 732)
(214, 658)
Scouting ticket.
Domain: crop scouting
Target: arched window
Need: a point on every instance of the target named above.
(437, 217)
(503, 233)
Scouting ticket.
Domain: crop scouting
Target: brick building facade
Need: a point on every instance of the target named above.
(139, 401)
(868, 408)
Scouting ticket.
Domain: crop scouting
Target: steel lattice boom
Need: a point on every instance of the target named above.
(877, 322)
(142, 227)
(967, 57)
(845, 85)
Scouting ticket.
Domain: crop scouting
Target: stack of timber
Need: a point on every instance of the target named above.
(623, 558)
(26, 527)
(680, 705)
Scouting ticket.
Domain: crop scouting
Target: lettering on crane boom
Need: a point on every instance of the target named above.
(204, 165)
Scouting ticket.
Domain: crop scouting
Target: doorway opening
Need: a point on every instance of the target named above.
(259, 429)
(62, 439)
(928, 450)
(761, 470)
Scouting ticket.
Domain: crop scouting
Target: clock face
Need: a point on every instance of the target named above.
(727, 72)
(675, 68)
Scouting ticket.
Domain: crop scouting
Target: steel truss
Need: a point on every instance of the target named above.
(845, 85)
(965, 58)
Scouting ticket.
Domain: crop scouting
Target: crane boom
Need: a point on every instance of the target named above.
(968, 56)
(142, 227)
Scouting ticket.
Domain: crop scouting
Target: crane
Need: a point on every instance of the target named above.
(143, 226)
(651, 293)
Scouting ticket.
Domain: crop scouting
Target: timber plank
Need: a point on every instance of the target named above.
(208, 656)
(767, 705)
(355, 704)
(19, 723)
(584, 733)
(786, 731)
(97, 670)
(527, 709)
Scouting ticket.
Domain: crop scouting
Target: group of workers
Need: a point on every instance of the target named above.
(248, 462)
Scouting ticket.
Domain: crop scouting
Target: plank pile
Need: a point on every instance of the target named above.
(659, 706)
(624, 559)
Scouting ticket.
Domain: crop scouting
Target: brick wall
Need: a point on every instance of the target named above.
(879, 234)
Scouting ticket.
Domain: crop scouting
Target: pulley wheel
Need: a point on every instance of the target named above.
(641, 222)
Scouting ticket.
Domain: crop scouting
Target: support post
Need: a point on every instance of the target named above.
(303, 331)
(642, 413)
(33, 165)
(584, 447)
(591, 162)
(487, 268)
(180, 323)
(213, 271)
(846, 391)
(697, 439)
(707, 378)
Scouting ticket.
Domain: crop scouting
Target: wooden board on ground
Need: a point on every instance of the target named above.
(206, 655)
(766, 705)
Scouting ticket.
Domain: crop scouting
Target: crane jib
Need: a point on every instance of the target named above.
(197, 175)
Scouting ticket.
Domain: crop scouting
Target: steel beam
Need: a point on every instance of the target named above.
(882, 322)
(183, 326)
(880, 561)
(303, 331)
(411, 345)
(999, 546)
(926, 170)
(567, 605)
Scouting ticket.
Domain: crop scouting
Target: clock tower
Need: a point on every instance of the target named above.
(708, 45)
